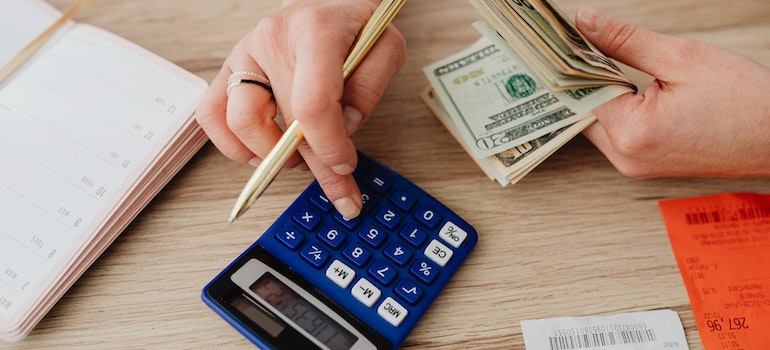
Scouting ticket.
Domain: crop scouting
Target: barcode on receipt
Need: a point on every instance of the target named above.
(659, 329)
(594, 340)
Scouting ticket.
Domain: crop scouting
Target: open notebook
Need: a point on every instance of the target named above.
(91, 128)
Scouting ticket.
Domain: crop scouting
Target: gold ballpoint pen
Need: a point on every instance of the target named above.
(292, 137)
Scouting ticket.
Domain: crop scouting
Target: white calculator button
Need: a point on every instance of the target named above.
(365, 292)
(392, 311)
(340, 273)
(453, 234)
(439, 253)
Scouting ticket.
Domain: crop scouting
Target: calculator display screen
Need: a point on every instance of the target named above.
(255, 314)
(303, 313)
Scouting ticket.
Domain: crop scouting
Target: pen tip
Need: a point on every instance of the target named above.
(230, 221)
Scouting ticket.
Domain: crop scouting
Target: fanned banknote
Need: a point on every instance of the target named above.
(522, 91)
(549, 44)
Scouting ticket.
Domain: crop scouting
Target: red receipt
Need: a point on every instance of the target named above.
(722, 247)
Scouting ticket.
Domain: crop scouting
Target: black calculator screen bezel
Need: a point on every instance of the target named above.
(223, 290)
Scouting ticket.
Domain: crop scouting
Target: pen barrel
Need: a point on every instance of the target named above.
(370, 33)
(268, 169)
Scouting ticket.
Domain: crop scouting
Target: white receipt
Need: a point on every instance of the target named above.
(660, 329)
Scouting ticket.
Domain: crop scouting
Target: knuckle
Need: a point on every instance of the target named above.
(686, 52)
(397, 43)
(240, 123)
(333, 154)
(264, 39)
(331, 185)
(232, 149)
(205, 119)
(237, 122)
(631, 144)
(266, 30)
(631, 170)
(621, 36)
(312, 17)
(339, 156)
(314, 108)
(366, 91)
(235, 154)
(635, 155)
(268, 24)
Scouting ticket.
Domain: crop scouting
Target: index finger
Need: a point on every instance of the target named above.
(316, 100)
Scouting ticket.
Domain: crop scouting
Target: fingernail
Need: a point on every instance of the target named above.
(353, 118)
(347, 207)
(594, 20)
(255, 162)
(343, 169)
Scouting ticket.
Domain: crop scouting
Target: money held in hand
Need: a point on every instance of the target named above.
(507, 112)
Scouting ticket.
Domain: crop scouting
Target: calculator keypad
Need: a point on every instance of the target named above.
(389, 257)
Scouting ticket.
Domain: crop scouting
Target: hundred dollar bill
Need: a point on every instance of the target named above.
(496, 103)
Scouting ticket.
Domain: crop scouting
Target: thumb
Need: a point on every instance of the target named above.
(637, 47)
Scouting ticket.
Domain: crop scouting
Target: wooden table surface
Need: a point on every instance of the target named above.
(573, 238)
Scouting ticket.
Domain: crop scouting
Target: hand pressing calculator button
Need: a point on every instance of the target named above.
(315, 280)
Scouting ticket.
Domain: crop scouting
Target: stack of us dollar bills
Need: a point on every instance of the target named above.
(524, 89)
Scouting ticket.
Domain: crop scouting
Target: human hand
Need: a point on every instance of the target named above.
(300, 50)
(706, 114)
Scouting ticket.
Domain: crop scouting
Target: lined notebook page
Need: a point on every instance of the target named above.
(20, 23)
(79, 125)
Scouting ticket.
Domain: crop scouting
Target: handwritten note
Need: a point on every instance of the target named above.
(722, 247)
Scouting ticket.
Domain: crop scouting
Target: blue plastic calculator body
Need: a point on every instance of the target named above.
(316, 280)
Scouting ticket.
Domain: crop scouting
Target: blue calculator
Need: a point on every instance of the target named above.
(315, 280)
